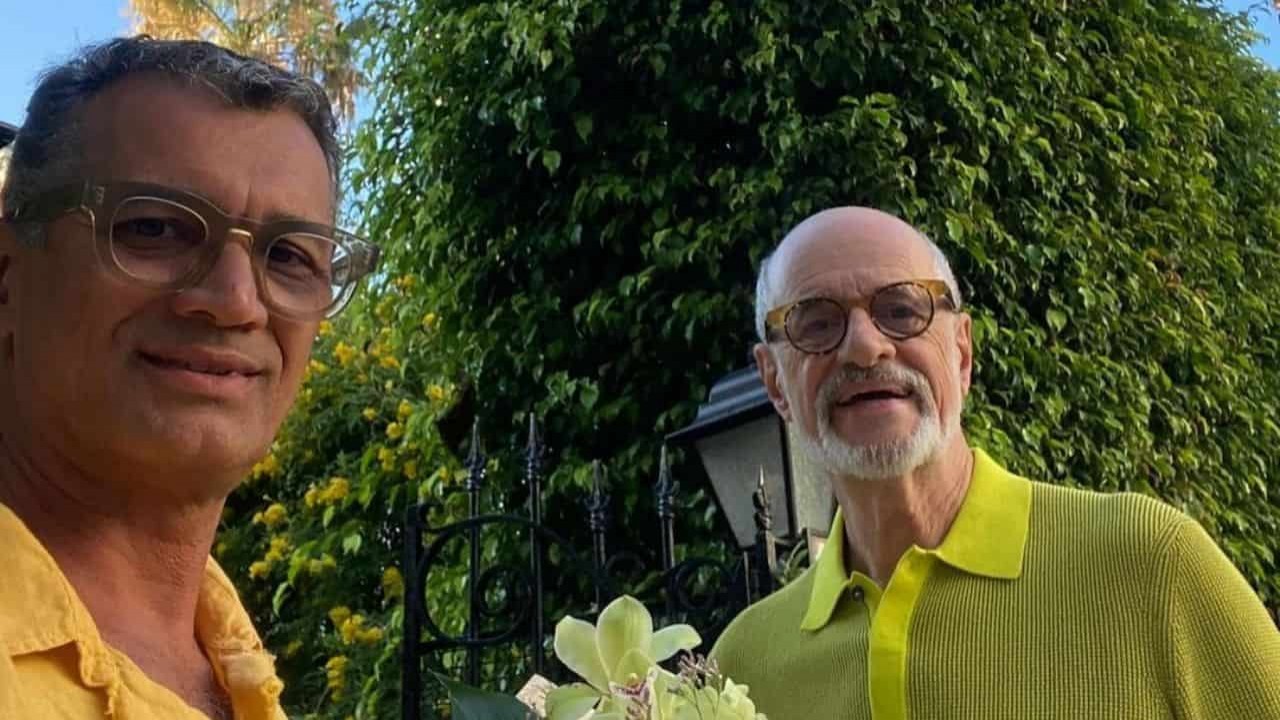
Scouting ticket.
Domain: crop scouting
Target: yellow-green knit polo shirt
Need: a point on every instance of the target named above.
(1041, 602)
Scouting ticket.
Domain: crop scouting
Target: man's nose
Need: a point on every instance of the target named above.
(228, 294)
(864, 345)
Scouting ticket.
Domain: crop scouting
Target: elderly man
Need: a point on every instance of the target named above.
(166, 255)
(951, 588)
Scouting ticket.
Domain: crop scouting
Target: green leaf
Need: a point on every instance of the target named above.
(551, 160)
(280, 596)
(583, 124)
(470, 703)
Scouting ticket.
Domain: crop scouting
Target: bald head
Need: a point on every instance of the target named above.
(844, 236)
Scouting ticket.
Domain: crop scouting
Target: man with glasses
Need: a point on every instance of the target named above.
(949, 587)
(167, 252)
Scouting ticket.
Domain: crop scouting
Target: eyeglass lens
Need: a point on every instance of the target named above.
(161, 242)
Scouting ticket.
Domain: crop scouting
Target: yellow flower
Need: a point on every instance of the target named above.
(273, 516)
(312, 497)
(318, 367)
(371, 636)
(390, 361)
(411, 469)
(351, 628)
(395, 431)
(267, 466)
(259, 569)
(279, 545)
(406, 282)
(335, 671)
(344, 353)
(339, 615)
(392, 583)
(387, 457)
(435, 392)
(404, 410)
(429, 321)
(326, 328)
(370, 414)
(337, 489)
(292, 648)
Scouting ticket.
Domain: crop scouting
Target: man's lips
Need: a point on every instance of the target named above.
(202, 360)
(868, 392)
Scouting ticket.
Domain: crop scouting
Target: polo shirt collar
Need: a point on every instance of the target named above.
(988, 538)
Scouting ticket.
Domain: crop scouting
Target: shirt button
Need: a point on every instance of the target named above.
(857, 594)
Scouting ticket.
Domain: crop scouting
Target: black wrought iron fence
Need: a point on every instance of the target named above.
(510, 608)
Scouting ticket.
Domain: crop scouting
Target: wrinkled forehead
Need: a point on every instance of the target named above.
(849, 254)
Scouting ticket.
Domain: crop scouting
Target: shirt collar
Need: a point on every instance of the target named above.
(42, 612)
(987, 538)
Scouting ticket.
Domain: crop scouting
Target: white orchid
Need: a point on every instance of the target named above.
(615, 657)
(619, 659)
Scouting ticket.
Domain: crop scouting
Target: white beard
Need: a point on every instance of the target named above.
(880, 461)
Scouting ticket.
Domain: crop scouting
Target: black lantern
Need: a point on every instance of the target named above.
(739, 437)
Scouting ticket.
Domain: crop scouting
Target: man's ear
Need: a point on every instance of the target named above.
(964, 347)
(767, 365)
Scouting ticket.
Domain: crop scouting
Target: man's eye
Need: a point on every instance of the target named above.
(155, 231)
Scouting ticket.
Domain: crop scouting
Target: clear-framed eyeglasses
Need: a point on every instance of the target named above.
(169, 239)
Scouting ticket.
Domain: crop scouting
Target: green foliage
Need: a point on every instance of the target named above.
(591, 185)
(314, 537)
(585, 188)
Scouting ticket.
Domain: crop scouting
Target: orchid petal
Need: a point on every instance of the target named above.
(624, 625)
(632, 668)
(571, 702)
(575, 645)
(672, 639)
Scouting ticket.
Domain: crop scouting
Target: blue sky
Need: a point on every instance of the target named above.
(44, 31)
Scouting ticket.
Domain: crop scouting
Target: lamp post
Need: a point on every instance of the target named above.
(740, 438)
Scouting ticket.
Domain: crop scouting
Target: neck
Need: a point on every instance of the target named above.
(883, 518)
(136, 562)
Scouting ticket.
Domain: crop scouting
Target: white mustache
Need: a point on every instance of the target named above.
(891, 372)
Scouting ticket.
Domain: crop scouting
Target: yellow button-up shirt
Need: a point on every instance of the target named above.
(55, 665)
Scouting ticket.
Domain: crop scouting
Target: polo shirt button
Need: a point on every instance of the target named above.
(857, 594)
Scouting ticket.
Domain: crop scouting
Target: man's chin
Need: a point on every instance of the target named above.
(882, 458)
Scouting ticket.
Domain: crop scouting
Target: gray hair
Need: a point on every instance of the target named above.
(767, 293)
(48, 151)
